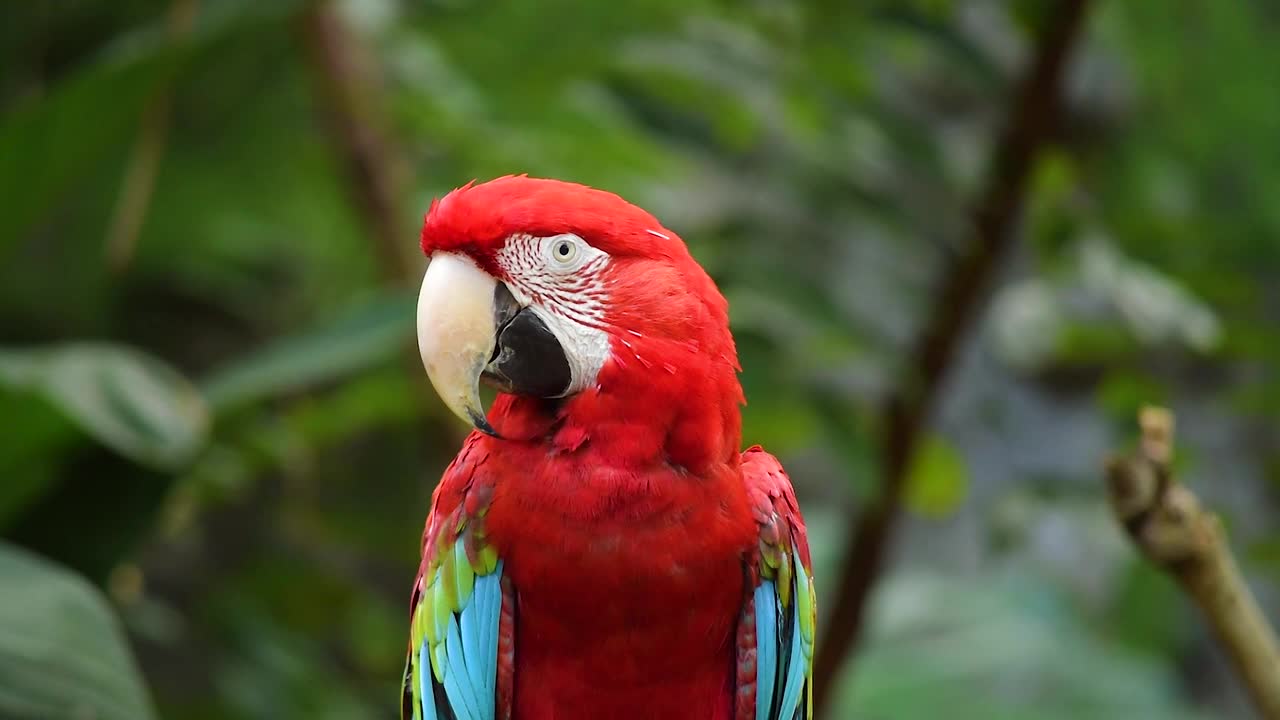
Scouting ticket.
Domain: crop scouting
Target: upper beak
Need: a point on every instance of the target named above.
(470, 327)
(456, 332)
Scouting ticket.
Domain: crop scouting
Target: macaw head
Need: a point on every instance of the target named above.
(573, 303)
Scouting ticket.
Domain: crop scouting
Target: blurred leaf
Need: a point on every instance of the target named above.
(1147, 611)
(847, 435)
(52, 140)
(1002, 645)
(46, 145)
(364, 336)
(1123, 393)
(62, 653)
(26, 450)
(1265, 554)
(130, 401)
(938, 480)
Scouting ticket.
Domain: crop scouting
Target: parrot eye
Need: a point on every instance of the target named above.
(564, 251)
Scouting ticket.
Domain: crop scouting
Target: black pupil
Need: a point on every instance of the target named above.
(563, 249)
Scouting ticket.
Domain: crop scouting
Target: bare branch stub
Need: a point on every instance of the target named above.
(1171, 528)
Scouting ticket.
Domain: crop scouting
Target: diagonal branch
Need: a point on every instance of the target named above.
(138, 184)
(1179, 536)
(348, 81)
(959, 300)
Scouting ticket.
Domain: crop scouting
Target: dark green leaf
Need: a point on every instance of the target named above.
(364, 336)
(128, 400)
(938, 480)
(62, 653)
(46, 145)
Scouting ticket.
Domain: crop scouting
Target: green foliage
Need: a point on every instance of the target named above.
(1147, 611)
(369, 333)
(937, 480)
(938, 641)
(128, 400)
(45, 147)
(62, 652)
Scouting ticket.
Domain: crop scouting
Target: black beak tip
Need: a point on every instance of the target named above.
(482, 424)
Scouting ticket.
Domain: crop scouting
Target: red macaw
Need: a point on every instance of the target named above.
(599, 548)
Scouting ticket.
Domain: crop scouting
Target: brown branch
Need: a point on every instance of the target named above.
(348, 83)
(957, 304)
(144, 162)
(1176, 534)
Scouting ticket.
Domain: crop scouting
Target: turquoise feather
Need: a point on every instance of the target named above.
(424, 684)
(784, 641)
(462, 654)
(766, 603)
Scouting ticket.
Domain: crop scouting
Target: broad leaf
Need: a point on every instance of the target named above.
(62, 652)
(1001, 645)
(362, 337)
(128, 400)
(55, 139)
(937, 481)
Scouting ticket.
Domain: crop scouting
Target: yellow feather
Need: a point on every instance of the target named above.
(424, 621)
(415, 685)
(439, 661)
(783, 583)
(804, 606)
(488, 559)
(448, 580)
(466, 577)
(440, 614)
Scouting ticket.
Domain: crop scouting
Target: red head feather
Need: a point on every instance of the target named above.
(673, 378)
(476, 219)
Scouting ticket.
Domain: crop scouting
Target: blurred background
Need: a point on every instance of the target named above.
(218, 446)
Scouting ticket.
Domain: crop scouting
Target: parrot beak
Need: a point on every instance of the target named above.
(471, 328)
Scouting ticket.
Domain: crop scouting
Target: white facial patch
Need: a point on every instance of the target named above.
(561, 279)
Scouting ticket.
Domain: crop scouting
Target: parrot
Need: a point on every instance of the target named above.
(600, 547)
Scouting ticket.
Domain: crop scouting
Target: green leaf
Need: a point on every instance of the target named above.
(62, 652)
(937, 481)
(128, 400)
(29, 450)
(50, 142)
(1001, 644)
(1147, 613)
(46, 145)
(364, 336)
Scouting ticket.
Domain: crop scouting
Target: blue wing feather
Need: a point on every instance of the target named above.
(457, 683)
(471, 648)
(783, 651)
(795, 670)
(766, 604)
(470, 655)
(489, 596)
(424, 684)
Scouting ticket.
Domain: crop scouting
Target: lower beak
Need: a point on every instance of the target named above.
(470, 328)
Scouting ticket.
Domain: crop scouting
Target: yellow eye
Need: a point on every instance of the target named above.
(564, 252)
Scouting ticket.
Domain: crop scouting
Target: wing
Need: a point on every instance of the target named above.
(776, 632)
(461, 647)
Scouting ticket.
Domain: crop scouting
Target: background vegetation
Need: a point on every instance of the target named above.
(217, 445)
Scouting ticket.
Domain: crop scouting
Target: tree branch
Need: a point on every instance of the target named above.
(348, 80)
(957, 304)
(144, 162)
(1176, 534)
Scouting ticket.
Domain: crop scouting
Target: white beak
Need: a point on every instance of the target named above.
(456, 332)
